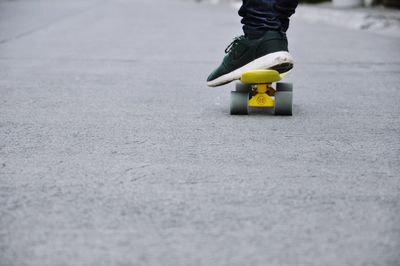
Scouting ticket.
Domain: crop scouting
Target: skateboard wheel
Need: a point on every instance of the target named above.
(239, 103)
(283, 103)
(284, 86)
(242, 87)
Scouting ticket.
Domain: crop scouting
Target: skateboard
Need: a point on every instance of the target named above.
(256, 90)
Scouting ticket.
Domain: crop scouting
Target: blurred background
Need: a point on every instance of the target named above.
(337, 3)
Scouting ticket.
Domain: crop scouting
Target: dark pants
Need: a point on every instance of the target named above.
(260, 16)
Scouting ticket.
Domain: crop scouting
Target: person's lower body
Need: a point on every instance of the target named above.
(259, 16)
(264, 44)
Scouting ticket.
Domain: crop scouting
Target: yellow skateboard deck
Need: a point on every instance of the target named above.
(260, 76)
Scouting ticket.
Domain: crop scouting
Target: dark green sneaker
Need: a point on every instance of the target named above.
(268, 52)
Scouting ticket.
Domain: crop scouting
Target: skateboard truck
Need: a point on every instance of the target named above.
(262, 98)
(255, 90)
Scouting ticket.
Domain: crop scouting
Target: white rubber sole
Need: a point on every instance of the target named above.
(264, 62)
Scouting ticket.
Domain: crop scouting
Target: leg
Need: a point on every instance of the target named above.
(260, 16)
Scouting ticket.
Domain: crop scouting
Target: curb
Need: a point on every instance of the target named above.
(380, 20)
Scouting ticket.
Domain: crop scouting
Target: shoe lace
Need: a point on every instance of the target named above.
(233, 44)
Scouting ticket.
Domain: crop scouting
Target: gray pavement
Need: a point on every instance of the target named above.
(114, 152)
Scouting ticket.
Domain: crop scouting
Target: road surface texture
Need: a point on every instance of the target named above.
(114, 152)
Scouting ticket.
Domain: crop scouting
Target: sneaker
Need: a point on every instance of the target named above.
(243, 54)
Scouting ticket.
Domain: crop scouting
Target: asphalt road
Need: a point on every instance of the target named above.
(114, 152)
